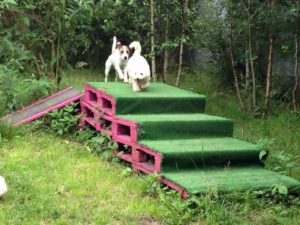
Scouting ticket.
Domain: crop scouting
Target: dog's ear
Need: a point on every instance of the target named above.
(119, 45)
(131, 51)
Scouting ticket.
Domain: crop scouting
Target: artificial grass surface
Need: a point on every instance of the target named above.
(202, 152)
(180, 126)
(159, 98)
(229, 179)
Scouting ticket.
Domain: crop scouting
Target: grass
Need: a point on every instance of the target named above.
(55, 180)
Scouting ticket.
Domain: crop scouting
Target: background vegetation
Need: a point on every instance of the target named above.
(231, 51)
(251, 45)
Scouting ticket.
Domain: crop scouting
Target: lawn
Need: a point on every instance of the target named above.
(56, 180)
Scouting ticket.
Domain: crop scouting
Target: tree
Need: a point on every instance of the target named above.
(153, 64)
(185, 6)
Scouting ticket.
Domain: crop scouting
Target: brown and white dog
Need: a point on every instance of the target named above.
(118, 59)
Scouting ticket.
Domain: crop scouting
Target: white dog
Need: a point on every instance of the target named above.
(118, 59)
(3, 187)
(137, 69)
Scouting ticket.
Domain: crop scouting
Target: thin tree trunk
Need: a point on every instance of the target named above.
(269, 77)
(252, 66)
(183, 28)
(247, 67)
(38, 70)
(295, 74)
(250, 59)
(167, 52)
(153, 63)
(235, 76)
(53, 56)
(269, 72)
(296, 61)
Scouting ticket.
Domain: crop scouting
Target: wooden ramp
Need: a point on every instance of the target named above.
(42, 107)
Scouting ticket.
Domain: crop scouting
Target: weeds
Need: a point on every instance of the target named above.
(97, 143)
(6, 133)
(63, 121)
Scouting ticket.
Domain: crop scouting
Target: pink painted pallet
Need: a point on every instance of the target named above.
(176, 187)
(95, 118)
(124, 151)
(146, 160)
(125, 131)
(100, 100)
(143, 158)
(42, 107)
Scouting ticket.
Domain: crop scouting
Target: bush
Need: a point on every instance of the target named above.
(63, 121)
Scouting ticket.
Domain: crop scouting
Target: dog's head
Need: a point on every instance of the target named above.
(124, 51)
(139, 75)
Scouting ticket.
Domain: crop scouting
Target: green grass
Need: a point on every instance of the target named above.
(55, 180)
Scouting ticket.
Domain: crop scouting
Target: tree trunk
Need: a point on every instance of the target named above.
(53, 56)
(296, 60)
(153, 63)
(295, 74)
(269, 72)
(269, 77)
(183, 29)
(247, 75)
(235, 76)
(166, 52)
(251, 64)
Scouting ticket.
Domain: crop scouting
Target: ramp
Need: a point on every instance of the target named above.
(42, 107)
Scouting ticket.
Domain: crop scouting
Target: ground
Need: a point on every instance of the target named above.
(55, 180)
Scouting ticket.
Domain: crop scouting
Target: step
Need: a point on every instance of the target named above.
(153, 155)
(118, 98)
(228, 179)
(135, 128)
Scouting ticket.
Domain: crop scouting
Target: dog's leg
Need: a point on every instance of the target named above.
(135, 86)
(145, 84)
(116, 77)
(107, 69)
(126, 75)
(119, 71)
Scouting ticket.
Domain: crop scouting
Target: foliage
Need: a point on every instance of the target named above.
(98, 143)
(9, 89)
(38, 88)
(63, 121)
(103, 145)
(6, 133)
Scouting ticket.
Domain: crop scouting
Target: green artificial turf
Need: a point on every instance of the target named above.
(159, 98)
(180, 126)
(229, 179)
(202, 152)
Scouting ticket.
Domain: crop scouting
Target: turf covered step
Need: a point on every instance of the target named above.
(195, 153)
(118, 98)
(230, 179)
(170, 126)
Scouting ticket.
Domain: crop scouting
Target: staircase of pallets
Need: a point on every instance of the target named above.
(196, 138)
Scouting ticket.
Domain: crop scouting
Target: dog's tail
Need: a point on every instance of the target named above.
(136, 46)
(114, 45)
